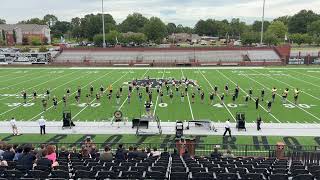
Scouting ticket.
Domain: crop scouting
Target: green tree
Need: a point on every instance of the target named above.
(114, 37)
(314, 28)
(155, 30)
(60, 28)
(284, 19)
(248, 38)
(137, 38)
(35, 41)
(2, 21)
(50, 20)
(91, 25)
(202, 28)
(133, 23)
(171, 28)
(300, 21)
(256, 26)
(237, 27)
(33, 21)
(317, 41)
(76, 30)
(278, 29)
(296, 38)
(271, 39)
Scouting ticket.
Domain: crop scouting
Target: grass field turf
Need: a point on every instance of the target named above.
(13, 81)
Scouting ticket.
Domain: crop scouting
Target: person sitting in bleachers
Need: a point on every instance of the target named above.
(18, 154)
(44, 161)
(215, 153)
(165, 152)
(106, 155)
(39, 151)
(84, 153)
(94, 152)
(51, 149)
(120, 153)
(9, 153)
(228, 154)
(27, 158)
(186, 154)
(63, 153)
(142, 153)
(132, 153)
(155, 152)
(74, 153)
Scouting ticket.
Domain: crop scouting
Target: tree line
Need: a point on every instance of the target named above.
(301, 28)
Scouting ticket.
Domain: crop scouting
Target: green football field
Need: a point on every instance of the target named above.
(14, 81)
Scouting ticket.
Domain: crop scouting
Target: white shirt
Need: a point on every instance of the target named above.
(42, 122)
(228, 124)
(13, 122)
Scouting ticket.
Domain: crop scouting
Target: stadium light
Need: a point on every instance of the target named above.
(262, 24)
(103, 30)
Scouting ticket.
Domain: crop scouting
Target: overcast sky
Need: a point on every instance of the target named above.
(185, 12)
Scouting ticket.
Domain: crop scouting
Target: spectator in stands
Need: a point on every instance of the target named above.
(9, 153)
(142, 153)
(85, 153)
(165, 152)
(1, 149)
(51, 155)
(186, 154)
(216, 153)
(63, 152)
(94, 152)
(18, 154)
(107, 154)
(155, 152)
(149, 153)
(39, 152)
(74, 153)
(44, 161)
(27, 159)
(120, 153)
(228, 154)
(131, 153)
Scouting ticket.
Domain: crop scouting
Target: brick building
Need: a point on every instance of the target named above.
(24, 30)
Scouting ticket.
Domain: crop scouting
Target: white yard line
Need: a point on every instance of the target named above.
(12, 74)
(94, 99)
(287, 100)
(306, 74)
(304, 81)
(42, 83)
(155, 107)
(32, 99)
(71, 95)
(218, 96)
(188, 99)
(251, 98)
(286, 84)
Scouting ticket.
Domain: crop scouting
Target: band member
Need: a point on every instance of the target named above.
(79, 91)
(285, 96)
(117, 97)
(148, 108)
(88, 98)
(64, 100)
(222, 99)
(48, 94)
(130, 88)
(199, 89)
(211, 98)
(55, 102)
(168, 88)
(171, 96)
(296, 95)
(77, 98)
(246, 100)
(137, 88)
(68, 92)
(186, 88)
(147, 89)
(44, 104)
(177, 90)
(101, 90)
(202, 97)
(161, 97)
(234, 98)
(97, 97)
(192, 97)
(158, 88)
(24, 95)
(109, 96)
(129, 97)
(140, 97)
(269, 104)
(91, 91)
(236, 92)
(215, 89)
(257, 103)
(250, 93)
(120, 89)
(34, 95)
(150, 96)
(274, 92)
(262, 94)
(182, 96)
(226, 88)
(110, 88)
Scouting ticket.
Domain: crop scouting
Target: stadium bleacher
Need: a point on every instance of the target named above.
(263, 55)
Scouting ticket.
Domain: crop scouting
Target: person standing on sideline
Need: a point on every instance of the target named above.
(42, 124)
(228, 128)
(14, 127)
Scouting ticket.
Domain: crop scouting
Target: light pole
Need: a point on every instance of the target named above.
(262, 24)
(103, 30)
